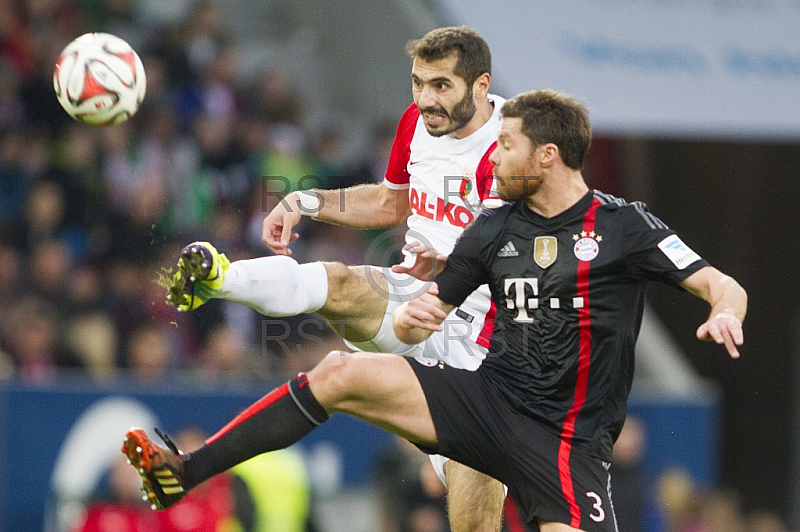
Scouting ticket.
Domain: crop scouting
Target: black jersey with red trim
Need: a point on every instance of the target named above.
(569, 292)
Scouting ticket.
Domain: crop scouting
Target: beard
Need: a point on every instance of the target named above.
(522, 187)
(459, 116)
(516, 180)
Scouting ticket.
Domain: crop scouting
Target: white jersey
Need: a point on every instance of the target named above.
(449, 181)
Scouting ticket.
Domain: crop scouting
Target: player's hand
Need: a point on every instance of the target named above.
(424, 312)
(427, 262)
(725, 329)
(278, 225)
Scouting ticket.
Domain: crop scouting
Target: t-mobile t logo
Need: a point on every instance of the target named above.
(516, 297)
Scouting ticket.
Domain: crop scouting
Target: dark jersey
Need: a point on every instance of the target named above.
(569, 292)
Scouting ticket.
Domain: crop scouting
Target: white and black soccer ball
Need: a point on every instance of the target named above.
(99, 79)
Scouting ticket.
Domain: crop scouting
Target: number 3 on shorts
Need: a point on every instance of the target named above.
(598, 505)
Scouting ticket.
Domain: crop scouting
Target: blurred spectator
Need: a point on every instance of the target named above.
(677, 501)
(11, 108)
(627, 475)
(93, 339)
(75, 166)
(15, 42)
(45, 223)
(411, 497)
(148, 353)
(170, 159)
(32, 338)
(44, 214)
(50, 25)
(189, 49)
(223, 165)
(720, 512)
(88, 215)
(15, 179)
(297, 343)
(217, 90)
(119, 17)
(372, 165)
(90, 331)
(275, 98)
(6, 365)
(119, 166)
(764, 521)
(227, 359)
(117, 506)
(278, 485)
(123, 293)
(10, 272)
(286, 162)
(330, 159)
(685, 508)
(48, 269)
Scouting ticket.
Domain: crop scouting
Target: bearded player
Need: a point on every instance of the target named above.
(439, 177)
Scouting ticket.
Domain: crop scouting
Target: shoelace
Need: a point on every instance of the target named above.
(168, 441)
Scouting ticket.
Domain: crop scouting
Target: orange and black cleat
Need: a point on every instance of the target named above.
(161, 469)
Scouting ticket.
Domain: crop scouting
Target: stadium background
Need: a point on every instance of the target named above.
(695, 113)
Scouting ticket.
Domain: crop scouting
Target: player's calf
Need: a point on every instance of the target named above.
(474, 500)
(356, 300)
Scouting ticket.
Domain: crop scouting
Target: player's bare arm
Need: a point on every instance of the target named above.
(361, 207)
(728, 302)
(415, 320)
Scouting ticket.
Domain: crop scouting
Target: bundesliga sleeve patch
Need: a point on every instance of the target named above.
(676, 251)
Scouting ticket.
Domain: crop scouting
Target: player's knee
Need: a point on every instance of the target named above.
(332, 378)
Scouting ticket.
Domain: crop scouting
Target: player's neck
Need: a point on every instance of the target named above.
(557, 194)
(483, 112)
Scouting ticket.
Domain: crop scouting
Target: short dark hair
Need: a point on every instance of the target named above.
(474, 56)
(550, 116)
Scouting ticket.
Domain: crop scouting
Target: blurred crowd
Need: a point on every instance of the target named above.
(672, 499)
(89, 216)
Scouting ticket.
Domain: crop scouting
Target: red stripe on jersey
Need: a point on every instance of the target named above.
(251, 410)
(484, 174)
(488, 327)
(582, 381)
(512, 518)
(400, 156)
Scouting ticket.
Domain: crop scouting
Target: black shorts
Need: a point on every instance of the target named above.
(547, 477)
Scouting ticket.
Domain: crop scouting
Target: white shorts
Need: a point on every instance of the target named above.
(452, 349)
(451, 346)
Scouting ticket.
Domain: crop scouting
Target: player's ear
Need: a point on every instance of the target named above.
(548, 154)
(480, 87)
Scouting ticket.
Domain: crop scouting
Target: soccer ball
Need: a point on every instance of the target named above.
(99, 79)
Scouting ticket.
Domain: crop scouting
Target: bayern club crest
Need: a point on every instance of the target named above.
(586, 245)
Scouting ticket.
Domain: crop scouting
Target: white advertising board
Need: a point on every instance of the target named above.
(645, 67)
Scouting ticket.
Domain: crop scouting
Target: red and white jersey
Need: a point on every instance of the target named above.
(449, 181)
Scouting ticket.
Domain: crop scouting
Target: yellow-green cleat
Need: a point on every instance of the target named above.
(201, 270)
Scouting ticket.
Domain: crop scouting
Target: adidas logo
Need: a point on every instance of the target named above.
(508, 251)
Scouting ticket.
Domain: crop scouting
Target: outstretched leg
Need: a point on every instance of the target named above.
(352, 298)
(381, 389)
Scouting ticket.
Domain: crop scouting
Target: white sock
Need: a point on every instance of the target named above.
(276, 286)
